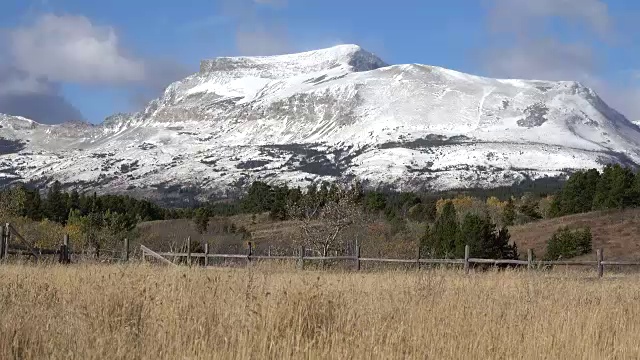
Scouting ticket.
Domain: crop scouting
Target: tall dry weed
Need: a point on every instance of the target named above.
(146, 312)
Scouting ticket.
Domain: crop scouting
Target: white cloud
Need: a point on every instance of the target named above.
(262, 42)
(525, 44)
(546, 59)
(72, 49)
(256, 33)
(532, 14)
(271, 2)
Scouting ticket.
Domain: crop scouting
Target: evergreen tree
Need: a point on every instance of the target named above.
(259, 198)
(418, 213)
(431, 210)
(358, 192)
(428, 243)
(440, 240)
(529, 207)
(323, 193)
(577, 195)
(118, 223)
(74, 200)
(484, 240)
(56, 206)
(614, 189)
(474, 231)
(375, 201)
(509, 213)
(334, 193)
(33, 206)
(279, 205)
(201, 220)
(294, 197)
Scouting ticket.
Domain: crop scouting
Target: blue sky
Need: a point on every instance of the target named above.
(103, 57)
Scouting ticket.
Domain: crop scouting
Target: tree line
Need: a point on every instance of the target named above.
(616, 187)
(476, 217)
(61, 207)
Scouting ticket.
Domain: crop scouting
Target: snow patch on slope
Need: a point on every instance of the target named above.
(331, 114)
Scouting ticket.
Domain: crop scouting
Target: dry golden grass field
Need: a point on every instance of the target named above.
(150, 312)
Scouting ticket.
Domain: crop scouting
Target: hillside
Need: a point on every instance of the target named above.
(615, 231)
(332, 114)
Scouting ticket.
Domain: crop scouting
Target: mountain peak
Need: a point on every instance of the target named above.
(328, 115)
(350, 55)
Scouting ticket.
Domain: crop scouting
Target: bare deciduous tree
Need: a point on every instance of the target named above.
(322, 222)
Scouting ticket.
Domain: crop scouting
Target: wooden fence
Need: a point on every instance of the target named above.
(599, 263)
(22, 246)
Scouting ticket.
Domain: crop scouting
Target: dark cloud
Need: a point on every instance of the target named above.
(43, 108)
(72, 49)
(35, 98)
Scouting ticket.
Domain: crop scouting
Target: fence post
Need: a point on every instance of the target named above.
(529, 259)
(189, 250)
(1, 242)
(126, 249)
(599, 257)
(5, 241)
(358, 257)
(61, 254)
(419, 256)
(206, 254)
(301, 258)
(269, 251)
(249, 252)
(467, 250)
(66, 258)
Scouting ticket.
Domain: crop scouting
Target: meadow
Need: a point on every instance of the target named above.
(274, 311)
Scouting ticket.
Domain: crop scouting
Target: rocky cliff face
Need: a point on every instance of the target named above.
(331, 114)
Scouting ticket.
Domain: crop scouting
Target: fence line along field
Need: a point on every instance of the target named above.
(275, 311)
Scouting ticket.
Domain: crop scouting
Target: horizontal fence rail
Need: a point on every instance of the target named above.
(64, 253)
(22, 247)
(599, 263)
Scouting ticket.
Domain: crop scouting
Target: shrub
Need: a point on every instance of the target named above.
(567, 243)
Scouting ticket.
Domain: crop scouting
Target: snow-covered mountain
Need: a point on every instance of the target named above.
(329, 114)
